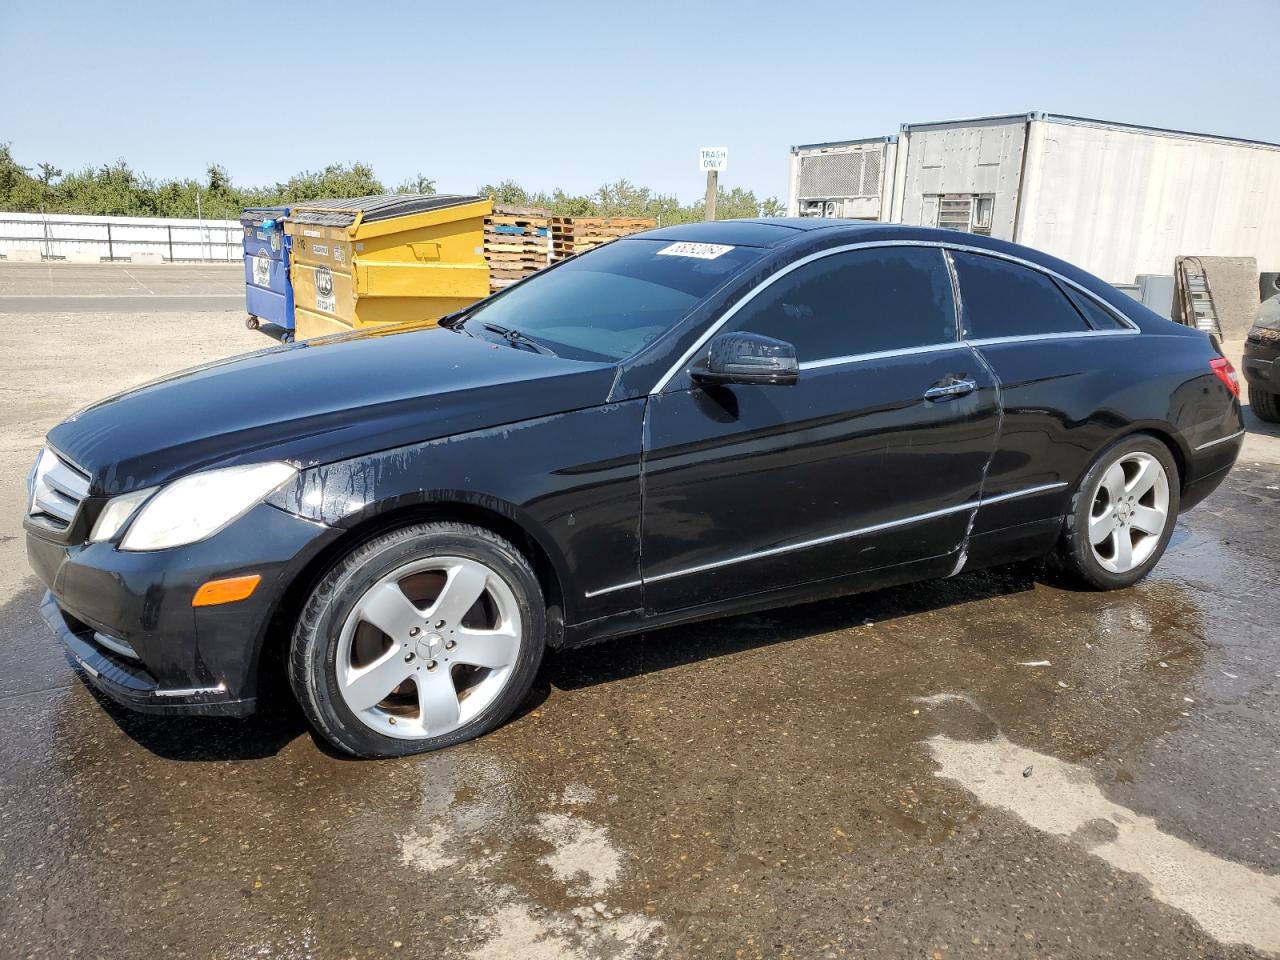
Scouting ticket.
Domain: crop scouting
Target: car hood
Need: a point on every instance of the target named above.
(1266, 324)
(320, 401)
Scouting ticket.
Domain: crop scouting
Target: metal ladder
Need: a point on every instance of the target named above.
(1195, 296)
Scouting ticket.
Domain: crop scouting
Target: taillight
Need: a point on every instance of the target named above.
(1225, 372)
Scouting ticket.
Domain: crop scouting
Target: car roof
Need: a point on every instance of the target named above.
(814, 233)
(761, 232)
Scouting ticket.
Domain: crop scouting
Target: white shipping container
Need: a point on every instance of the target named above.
(1116, 199)
(852, 178)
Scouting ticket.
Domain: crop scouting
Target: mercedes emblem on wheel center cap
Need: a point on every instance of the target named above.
(429, 646)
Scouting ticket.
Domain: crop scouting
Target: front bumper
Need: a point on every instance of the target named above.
(104, 603)
(1259, 362)
(128, 681)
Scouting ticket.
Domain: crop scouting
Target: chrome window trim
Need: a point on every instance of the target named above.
(943, 245)
(957, 301)
(1213, 443)
(880, 355)
(1071, 335)
(832, 537)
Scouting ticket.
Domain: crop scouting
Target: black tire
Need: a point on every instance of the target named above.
(313, 648)
(251, 322)
(1075, 555)
(1265, 406)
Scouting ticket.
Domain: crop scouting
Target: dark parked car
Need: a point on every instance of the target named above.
(691, 422)
(1261, 371)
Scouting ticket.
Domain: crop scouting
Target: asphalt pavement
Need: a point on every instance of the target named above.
(43, 288)
(995, 765)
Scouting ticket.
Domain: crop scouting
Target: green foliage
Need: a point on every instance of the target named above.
(624, 199)
(418, 184)
(115, 189)
(335, 180)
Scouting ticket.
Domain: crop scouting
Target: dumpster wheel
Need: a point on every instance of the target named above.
(286, 337)
(251, 322)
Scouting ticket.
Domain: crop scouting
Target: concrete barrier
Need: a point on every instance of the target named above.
(84, 256)
(23, 255)
(146, 258)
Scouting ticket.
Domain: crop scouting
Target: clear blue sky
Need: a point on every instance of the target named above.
(576, 94)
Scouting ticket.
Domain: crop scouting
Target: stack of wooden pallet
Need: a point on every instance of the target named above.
(570, 235)
(515, 244)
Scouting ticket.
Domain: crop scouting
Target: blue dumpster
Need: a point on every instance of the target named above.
(268, 293)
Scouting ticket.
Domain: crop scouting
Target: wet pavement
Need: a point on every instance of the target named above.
(995, 765)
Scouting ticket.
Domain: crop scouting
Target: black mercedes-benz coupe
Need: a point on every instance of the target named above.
(691, 422)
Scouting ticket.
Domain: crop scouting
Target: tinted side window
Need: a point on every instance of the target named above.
(1002, 299)
(1099, 317)
(863, 301)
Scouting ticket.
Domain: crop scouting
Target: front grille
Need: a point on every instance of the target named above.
(57, 489)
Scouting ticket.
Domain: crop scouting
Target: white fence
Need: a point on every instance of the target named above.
(31, 236)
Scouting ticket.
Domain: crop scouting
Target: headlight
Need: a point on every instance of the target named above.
(200, 505)
(117, 512)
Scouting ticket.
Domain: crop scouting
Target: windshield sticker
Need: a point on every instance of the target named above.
(700, 251)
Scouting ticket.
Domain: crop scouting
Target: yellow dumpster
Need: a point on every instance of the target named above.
(385, 259)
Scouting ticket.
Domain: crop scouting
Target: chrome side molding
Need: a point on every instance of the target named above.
(1227, 439)
(831, 538)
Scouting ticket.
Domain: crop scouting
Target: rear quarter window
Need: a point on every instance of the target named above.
(1099, 317)
(1002, 299)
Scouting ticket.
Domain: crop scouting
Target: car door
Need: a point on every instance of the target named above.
(874, 457)
(1058, 354)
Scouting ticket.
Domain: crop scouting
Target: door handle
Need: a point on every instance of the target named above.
(950, 390)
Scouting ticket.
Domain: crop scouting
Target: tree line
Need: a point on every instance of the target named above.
(116, 189)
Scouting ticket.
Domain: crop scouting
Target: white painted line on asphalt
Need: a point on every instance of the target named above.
(1232, 902)
(138, 282)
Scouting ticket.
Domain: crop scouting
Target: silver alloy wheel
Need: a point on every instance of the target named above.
(1129, 512)
(428, 647)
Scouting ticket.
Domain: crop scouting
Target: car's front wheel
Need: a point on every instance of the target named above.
(423, 637)
(1122, 514)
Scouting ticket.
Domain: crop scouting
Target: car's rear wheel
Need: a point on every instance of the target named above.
(423, 637)
(1122, 514)
(1265, 405)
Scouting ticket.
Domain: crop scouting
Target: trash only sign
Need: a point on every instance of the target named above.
(713, 158)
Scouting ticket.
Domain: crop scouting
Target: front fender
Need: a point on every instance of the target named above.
(570, 481)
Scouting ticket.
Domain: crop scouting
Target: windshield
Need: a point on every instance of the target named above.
(610, 303)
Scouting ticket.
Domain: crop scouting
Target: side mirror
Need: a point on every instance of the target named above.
(747, 358)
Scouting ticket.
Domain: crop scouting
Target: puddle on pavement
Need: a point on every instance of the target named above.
(1232, 902)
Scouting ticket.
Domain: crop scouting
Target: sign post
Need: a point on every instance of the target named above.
(712, 160)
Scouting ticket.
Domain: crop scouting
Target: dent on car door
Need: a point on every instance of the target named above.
(1058, 355)
(750, 488)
